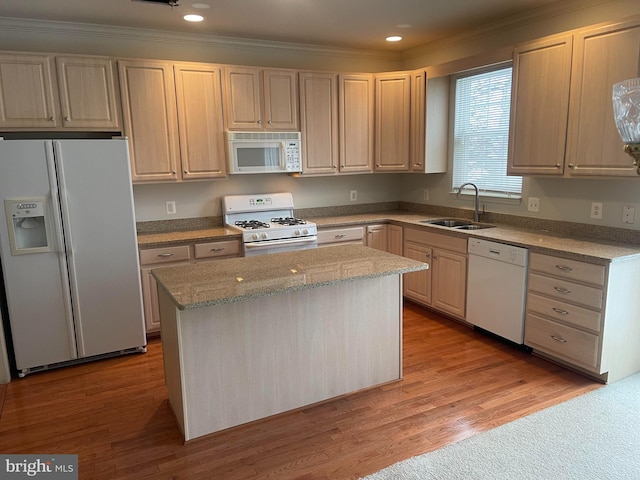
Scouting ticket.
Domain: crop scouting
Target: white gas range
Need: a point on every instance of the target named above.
(267, 223)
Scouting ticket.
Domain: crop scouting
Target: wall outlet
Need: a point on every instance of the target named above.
(596, 210)
(425, 194)
(171, 207)
(628, 212)
(534, 204)
(353, 195)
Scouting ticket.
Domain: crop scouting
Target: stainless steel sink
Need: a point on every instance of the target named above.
(456, 223)
(448, 222)
(474, 226)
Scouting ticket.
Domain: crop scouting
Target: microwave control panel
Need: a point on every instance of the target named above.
(292, 156)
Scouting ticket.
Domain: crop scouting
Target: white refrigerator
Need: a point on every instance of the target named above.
(68, 251)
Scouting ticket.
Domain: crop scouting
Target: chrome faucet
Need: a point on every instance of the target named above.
(476, 211)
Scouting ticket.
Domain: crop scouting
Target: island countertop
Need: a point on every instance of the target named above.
(236, 279)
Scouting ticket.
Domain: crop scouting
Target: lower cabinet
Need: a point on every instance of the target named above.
(444, 285)
(151, 258)
(341, 236)
(583, 315)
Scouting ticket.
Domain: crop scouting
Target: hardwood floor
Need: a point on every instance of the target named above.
(115, 414)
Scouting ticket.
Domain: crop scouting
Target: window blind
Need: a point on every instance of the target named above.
(481, 133)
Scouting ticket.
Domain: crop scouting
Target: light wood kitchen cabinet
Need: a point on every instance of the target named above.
(394, 239)
(57, 92)
(151, 258)
(356, 122)
(173, 120)
(341, 236)
(319, 122)
(400, 121)
(260, 99)
(444, 285)
(562, 119)
(201, 132)
(417, 285)
(393, 121)
(377, 236)
(582, 315)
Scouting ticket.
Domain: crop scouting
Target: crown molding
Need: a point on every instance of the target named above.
(520, 20)
(71, 29)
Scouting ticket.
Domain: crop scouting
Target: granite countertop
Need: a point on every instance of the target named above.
(242, 278)
(597, 251)
(163, 239)
(593, 250)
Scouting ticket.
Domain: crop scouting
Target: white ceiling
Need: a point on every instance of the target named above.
(343, 23)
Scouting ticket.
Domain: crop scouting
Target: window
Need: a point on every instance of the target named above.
(481, 132)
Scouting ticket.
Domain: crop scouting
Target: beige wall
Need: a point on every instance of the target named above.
(561, 199)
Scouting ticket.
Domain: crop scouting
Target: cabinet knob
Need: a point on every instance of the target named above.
(269, 122)
(185, 172)
(50, 119)
(571, 165)
(173, 172)
(66, 118)
(558, 165)
(259, 121)
(334, 166)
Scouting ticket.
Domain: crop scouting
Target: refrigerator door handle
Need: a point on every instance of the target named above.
(65, 262)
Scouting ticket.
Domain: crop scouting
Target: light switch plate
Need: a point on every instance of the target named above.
(171, 207)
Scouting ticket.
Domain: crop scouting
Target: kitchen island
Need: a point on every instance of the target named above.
(246, 338)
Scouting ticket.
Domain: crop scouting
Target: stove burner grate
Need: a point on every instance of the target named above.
(288, 221)
(251, 224)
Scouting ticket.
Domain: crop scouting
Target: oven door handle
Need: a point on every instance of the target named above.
(283, 241)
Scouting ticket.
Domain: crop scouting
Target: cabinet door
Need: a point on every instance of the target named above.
(319, 122)
(393, 117)
(243, 102)
(150, 119)
(602, 57)
(449, 282)
(199, 103)
(394, 239)
(377, 237)
(356, 103)
(417, 153)
(539, 107)
(87, 92)
(28, 93)
(417, 285)
(150, 300)
(281, 99)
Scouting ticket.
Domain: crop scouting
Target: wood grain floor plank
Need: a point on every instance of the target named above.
(115, 415)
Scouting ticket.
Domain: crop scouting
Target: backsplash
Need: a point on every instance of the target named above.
(556, 227)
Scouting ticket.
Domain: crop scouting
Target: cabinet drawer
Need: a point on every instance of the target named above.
(569, 269)
(438, 240)
(562, 341)
(565, 312)
(566, 291)
(336, 235)
(164, 255)
(217, 249)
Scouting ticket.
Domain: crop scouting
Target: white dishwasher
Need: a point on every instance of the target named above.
(496, 288)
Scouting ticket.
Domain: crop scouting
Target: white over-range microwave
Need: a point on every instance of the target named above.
(264, 152)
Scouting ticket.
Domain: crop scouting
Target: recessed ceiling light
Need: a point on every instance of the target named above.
(201, 6)
(394, 38)
(404, 25)
(193, 18)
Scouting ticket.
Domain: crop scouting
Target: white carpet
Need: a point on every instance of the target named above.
(593, 436)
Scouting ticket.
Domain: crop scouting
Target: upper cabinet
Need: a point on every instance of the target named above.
(562, 118)
(400, 121)
(260, 99)
(47, 92)
(319, 122)
(356, 122)
(336, 120)
(393, 120)
(172, 115)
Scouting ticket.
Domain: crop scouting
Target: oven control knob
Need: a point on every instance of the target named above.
(305, 232)
(255, 236)
(297, 232)
(264, 236)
